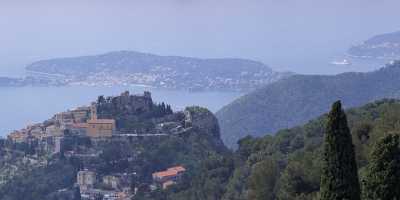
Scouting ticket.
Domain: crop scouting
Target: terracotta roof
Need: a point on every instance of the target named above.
(165, 173)
(177, 168)
(101, 121)
(173, 171)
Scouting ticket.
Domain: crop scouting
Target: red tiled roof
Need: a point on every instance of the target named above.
(165, 173)
(173, 171)
(177, 168)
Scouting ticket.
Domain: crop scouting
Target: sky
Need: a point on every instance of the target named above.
(289, 35)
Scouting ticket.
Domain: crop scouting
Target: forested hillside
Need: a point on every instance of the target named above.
(287, 166)
(299, 98)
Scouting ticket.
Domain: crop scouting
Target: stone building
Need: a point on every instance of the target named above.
(100, 128)
(54, 130)
(97, 128)
(86, 179)
(18, 136)
(81, 114)
(112, 181)
(168, 177)
(79, 129)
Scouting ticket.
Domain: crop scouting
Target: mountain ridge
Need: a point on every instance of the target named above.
(296, 99)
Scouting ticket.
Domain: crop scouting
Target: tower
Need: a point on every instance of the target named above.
(93, 111)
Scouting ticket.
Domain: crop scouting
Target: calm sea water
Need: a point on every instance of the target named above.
(26, 105)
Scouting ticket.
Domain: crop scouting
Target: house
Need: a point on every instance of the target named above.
(100, 128)
(65, 119)
(168, 177)
(18, 136)
(112, 181)
(54, 130)
(86, 179)
(81, 114)
(79, 128)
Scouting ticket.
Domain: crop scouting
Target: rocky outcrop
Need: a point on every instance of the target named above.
(202, 118)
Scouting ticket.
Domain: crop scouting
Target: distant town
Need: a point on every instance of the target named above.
(55, 136)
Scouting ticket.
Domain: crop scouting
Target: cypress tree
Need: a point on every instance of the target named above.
(382, 179)
(339, 179)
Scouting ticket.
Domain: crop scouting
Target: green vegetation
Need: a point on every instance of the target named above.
(287, 166)
(40, 183)
(187, 144)
(299, 98)
(339, 178)
(315, 161)
(382, 179)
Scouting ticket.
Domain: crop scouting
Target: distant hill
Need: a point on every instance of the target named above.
(299, 98)
(173, 72)
(28, 81)
(288, 165)
(380, 46)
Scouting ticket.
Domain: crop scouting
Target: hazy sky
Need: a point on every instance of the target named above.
(294, 35)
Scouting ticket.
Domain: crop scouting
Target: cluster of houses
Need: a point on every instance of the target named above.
(110, 187)
(81, 121)
(117, 186)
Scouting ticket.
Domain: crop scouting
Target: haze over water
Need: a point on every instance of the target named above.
(302, 36)
(297, 35)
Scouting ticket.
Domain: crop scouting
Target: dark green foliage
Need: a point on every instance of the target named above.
(339, 179)
(382, 179)
(208, 183)
(297, 156)
(77, 193)
(286, 166)
(263, 179)
(300, 179)
(39, 183)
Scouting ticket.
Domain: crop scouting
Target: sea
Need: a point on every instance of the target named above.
(22, 106)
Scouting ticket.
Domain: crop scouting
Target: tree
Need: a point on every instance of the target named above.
(382, 179)
(77, 193)
(263, 179)
(339, 178)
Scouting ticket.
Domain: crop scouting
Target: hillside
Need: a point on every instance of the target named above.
(287, 166)
(173, 72)
(380, 46)
(121, 140)
(299, 98)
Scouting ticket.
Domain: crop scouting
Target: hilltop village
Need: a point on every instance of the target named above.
(114, 131)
